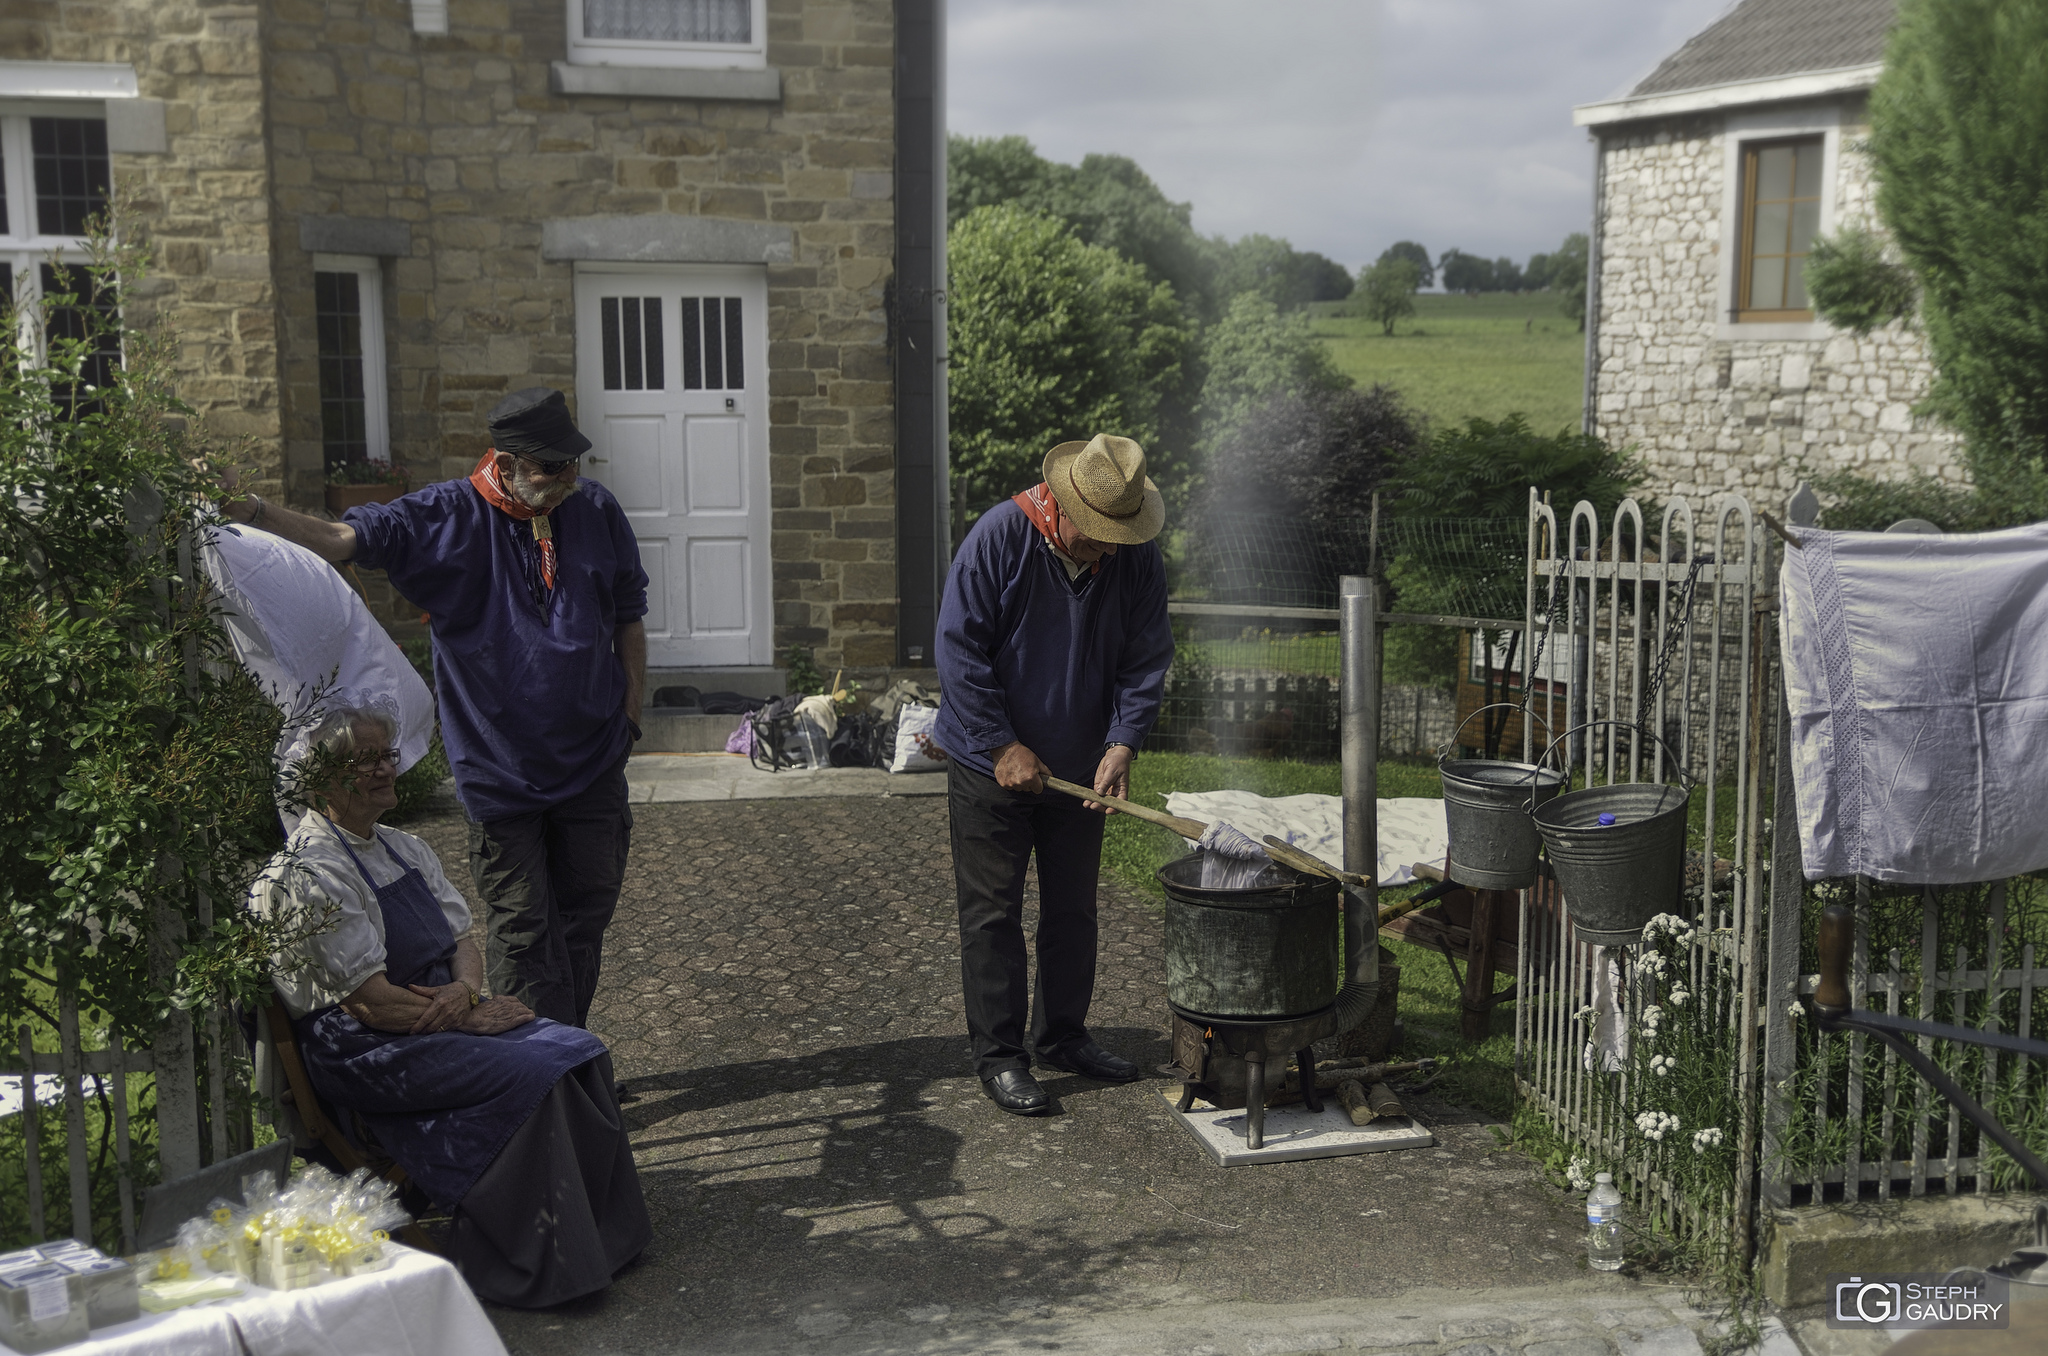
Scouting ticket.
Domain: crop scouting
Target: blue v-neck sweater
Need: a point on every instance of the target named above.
(1024, 656)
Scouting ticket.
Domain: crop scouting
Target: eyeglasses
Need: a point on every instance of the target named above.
(371, 760)
(549, 468)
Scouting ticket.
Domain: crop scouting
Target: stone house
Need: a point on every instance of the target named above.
(1714, 174)
(718, 224)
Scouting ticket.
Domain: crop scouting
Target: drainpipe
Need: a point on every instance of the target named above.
(1590, 421)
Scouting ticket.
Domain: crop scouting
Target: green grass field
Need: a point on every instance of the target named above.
(1459, 357)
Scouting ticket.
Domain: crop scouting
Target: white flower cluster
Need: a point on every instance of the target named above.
(1653, 1017)
(1666, 923)
(1794, 1010)
(1680, 996)
(1662, 1065)
(1575, 1173)
(1587, 1013)
(1709, 1138)
(1656, 1124)
(1652, 963)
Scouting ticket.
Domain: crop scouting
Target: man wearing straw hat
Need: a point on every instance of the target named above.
(1053, 648)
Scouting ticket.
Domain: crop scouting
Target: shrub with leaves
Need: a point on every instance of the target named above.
(136, 753)
(1853, 285)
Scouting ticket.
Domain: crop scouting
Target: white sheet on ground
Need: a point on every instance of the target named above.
(1411, 828)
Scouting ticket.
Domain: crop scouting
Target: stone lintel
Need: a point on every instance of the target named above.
(380, 236)
(136, 127)
(663, 238)
(666, 82)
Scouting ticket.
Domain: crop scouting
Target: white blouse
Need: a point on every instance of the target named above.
(313, 879)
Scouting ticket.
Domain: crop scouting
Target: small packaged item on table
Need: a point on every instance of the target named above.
(111, 1294)
(42, 1308)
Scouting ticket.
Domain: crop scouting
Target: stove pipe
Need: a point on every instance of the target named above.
(1358, 634)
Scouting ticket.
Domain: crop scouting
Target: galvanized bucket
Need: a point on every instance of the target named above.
(1269, 952)
(1487, 802)
(1617, 876)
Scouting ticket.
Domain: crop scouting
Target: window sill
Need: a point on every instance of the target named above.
(1730, 331)
(657, 82)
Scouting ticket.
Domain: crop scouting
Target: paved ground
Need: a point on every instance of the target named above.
(782, 993)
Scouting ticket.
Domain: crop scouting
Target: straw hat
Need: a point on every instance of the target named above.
(1101, 484)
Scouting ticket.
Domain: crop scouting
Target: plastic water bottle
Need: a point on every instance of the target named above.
(1603, 1224)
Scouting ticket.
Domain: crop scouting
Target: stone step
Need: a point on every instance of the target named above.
(667, 731)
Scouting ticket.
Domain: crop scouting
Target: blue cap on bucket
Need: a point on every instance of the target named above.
(1606, 821)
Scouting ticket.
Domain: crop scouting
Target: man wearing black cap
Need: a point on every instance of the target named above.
(533, 585)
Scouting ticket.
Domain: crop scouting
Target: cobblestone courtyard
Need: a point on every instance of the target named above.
(781, 992)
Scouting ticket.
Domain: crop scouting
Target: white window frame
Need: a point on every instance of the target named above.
(1739, 131)
(22, 245)
(369, 273)
(675, 55)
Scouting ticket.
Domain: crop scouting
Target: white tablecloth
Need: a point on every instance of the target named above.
(418, 1306)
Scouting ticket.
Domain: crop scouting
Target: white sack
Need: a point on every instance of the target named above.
(1411, 828)
(1916, 669)
(911, 721)
(312, 646)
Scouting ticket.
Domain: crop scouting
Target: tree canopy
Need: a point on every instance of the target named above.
(1053, 339)
(1425, 271)
(1389, 290)
(1959, 139)
(1254, 353)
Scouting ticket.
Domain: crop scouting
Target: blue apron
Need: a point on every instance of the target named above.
(441, 1103)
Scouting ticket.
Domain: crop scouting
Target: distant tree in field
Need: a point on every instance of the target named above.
(1959, 140)
(1054, 339)
(1464, 272)
(1536, 273)
(1568, 276)
(1315, 456)
(1414, 254)
(1321, 277)
(1389, 291)
(1507, 275)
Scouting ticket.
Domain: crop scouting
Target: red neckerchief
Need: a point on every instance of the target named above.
(491, 485)
(1044, 512)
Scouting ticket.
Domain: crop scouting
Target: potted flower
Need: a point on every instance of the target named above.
(354, 483)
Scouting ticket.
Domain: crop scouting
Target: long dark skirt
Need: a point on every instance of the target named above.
(558, 1212)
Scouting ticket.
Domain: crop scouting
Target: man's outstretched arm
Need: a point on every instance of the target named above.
(335, 542)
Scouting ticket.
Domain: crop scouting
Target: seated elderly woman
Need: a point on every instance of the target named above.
(505, 1118)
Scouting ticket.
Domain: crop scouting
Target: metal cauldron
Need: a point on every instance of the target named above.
(1266, 952)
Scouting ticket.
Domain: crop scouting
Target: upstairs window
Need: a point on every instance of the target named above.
(1781, 191)
(54, 180)
(678, 33)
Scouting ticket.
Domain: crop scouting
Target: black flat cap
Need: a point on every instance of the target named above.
(535, 423)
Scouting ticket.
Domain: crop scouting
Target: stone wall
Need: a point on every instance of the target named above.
(203, 208)
(1754, 416)
(460, 138)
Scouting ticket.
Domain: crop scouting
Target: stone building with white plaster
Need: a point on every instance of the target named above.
(718, 224)
(1714, 175)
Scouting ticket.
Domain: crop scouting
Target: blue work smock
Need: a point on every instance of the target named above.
(1023, 655)
(532, 698)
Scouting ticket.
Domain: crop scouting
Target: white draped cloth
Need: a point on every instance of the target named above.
(1916, 670)
(1411, 827)
(311, 644)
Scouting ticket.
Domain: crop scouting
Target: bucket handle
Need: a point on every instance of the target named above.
(1452, 742)
(1677, 764)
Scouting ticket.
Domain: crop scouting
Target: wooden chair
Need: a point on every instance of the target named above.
(313, 1114)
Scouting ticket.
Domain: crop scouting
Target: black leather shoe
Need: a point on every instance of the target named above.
(1091, 1061)
(1017, 1092)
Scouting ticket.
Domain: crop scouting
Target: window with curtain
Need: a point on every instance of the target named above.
(1781, 190)
(700, 33)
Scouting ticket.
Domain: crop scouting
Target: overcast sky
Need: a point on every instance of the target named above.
(1343, 125)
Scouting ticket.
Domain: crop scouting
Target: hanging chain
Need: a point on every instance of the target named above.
(1674, 631)
(1557, 597)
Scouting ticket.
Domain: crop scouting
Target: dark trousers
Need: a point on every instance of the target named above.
(550, 882)
(994, 834)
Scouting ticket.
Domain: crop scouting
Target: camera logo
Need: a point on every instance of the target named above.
(1923, 1299)
(1873, 1301)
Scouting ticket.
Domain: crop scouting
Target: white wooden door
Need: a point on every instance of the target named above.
(671, 388)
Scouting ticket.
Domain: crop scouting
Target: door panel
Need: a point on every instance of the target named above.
(670, 367)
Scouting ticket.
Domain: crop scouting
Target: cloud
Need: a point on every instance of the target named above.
(1343, 125)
